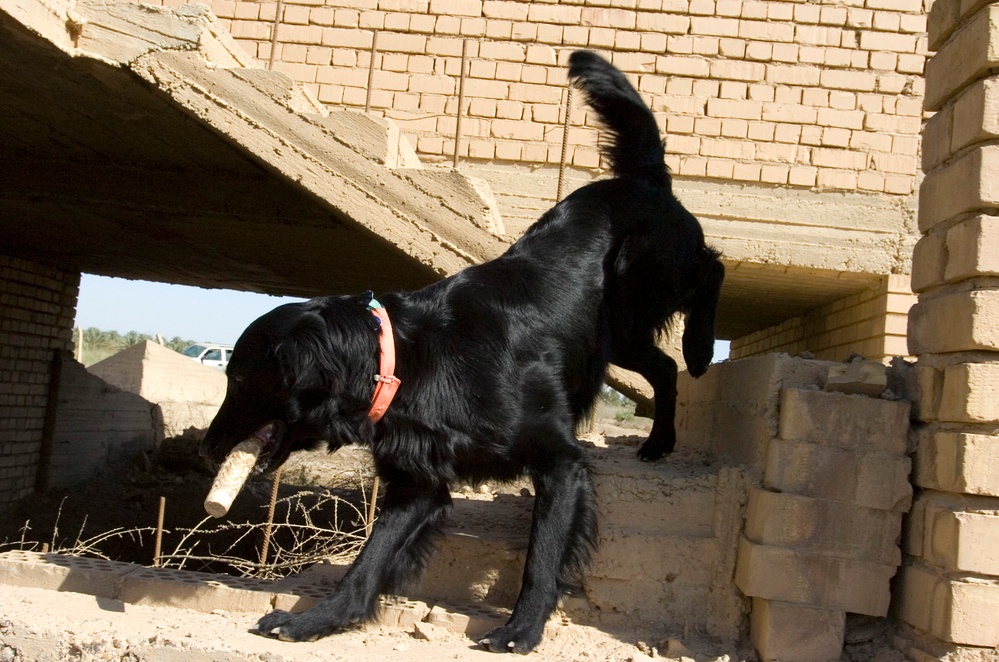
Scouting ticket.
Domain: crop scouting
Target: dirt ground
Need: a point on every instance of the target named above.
(126, 498)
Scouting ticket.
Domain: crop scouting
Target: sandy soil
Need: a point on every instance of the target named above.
(44, 625)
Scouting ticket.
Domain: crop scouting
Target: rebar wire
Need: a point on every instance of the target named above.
(158, 545)
(270, 518)
(461, 102)
(371, 71)
(565, 142)
(274, 33)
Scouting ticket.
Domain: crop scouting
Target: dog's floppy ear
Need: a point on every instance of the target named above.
(699, 328)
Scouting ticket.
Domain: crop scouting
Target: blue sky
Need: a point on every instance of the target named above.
(193, 313)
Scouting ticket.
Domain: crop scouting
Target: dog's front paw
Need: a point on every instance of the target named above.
(654, 448)
(512, 639)
(291, 627)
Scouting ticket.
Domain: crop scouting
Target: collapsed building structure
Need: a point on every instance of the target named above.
(301, 148)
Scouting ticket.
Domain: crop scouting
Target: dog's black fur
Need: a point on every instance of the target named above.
(498, 363)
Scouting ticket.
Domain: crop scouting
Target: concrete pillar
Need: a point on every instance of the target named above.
(949, 588)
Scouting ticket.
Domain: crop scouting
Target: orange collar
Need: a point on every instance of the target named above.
(387, 382)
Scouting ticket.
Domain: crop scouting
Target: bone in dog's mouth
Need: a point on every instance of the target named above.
(236, 468)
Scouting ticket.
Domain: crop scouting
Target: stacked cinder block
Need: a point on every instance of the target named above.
(38, 305)
(950, 586)
(822, 533)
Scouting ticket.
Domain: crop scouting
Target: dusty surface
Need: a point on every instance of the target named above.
(43, 625)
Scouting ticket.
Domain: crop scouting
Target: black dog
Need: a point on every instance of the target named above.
(497, 366)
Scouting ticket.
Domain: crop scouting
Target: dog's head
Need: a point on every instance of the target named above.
(299, 375)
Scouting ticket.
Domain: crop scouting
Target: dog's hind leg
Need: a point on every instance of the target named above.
(395, 553)
(562, 535)
(648, 360)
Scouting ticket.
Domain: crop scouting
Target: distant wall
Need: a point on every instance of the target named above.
(188, 393)
(871, 324)
(94, 423)
(37, 307)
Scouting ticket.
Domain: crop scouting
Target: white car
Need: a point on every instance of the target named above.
(209, 354)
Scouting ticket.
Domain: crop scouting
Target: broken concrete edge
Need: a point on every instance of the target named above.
(123, 32)
(150, 41)
(376, 198)
(135, 584)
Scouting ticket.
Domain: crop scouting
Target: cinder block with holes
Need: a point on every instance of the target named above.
(61, 572)
(471, 620)
(298, 592)
(195, 590)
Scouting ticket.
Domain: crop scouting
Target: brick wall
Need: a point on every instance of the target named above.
(871, 324)
(790, 93)
(949, 589)
(37, 306)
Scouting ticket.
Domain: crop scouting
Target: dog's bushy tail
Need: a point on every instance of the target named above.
(634, 148)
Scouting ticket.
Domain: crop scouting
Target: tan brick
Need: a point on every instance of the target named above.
(957, 462)
(959, 610)
(973, 248)
(941, 22)
(457, 7)
(859, 81)
(976, 114)
(960, 541)
(886, 41)
(844, 421)
(868, 479)
(673, 65)
(736, 70)
(929, 260)
(714, 26)
(966, 184)
(818, 580)
(968, 393)
(793, 75)
(823, 526)
(516, 11)
(964, 321)
(927, 390)
(963, 60)
(782, 631)
(544, 13)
